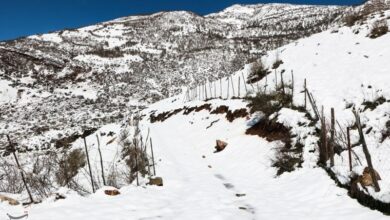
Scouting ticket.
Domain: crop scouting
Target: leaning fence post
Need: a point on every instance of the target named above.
(12, 148)
(89, 164)
(349, 149)
(367, 153)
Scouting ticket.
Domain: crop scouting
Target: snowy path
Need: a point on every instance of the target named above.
(239, 185)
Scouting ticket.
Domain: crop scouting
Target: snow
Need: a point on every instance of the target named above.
(53, 37)
(7, 93)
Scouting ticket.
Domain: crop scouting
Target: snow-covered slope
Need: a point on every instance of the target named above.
(237, 183)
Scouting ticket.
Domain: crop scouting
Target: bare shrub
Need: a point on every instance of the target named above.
(257, 72)
(379, 28)
(133, 152)
(40, 179)
(10, 179)
(352, 18)
(269, 103)
(69, 166)
(137, 161)
(288, 158)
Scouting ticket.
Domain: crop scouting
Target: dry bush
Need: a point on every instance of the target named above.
(10, 179)
(69, 166)
(351, 19)
(137, 161)
(379, 28)
(288, 159)
(40, 179)
(133, 152)
(269, 103)
(257, 72)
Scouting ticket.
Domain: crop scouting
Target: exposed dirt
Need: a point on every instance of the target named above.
(230, 115)
(271, 130)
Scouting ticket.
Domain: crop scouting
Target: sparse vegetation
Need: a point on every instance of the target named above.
(352, 18)
(69, 166)
(257, 72)
(379, 28)
(269, 103)
(373, 104)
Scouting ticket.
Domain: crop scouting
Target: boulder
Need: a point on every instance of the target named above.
(157, 181)
(366, 179)
(221, 145)
(11, 201)
(111, 192)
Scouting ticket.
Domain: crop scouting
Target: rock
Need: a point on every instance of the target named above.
(366, 179)
(221, 145)
(11, 201)
(58, 196)
(111, 192)
(157, 181)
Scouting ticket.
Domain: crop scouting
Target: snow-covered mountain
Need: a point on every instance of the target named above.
(93, 75)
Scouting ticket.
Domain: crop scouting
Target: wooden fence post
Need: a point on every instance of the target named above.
(349, 149)
(215, 89)
(367, 153)
(331, 144)
(239, 79)
(228, 87)
(313, 104)
(276, 81)
(136, 165)
(211, 92)
(151, 148)
(205, 90)
(13, 149)
(231, 79)
(323, 148)
(292, 88)
(89, 164)
(220, 87)
(101, 160)
(282, 82)
(243, 78)
(305, 90)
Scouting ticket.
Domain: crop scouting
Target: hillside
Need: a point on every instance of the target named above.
(271, 166)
